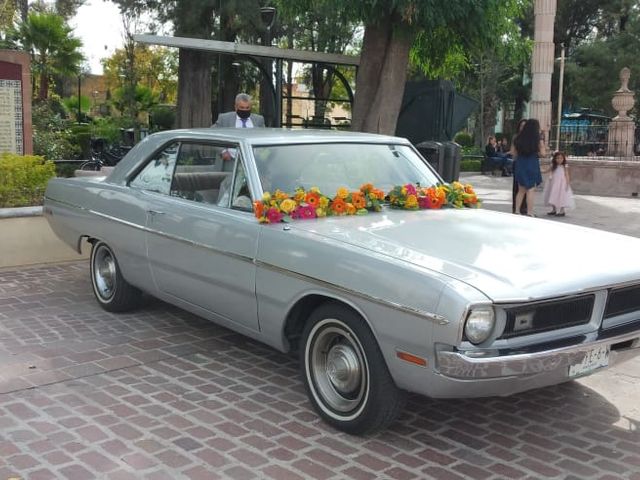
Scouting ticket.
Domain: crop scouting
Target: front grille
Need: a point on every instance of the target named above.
(542, 317)
(622, 300)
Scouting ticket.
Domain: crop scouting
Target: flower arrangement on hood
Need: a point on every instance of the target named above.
(414, 197)
(306, 204)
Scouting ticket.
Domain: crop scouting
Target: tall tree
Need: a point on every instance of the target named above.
(206, 19)
(391, 27)
(318, 29)
(54, 50)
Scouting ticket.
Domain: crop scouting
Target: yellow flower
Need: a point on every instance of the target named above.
(266, 197)
(324, 202)
(321, 212)
(280, 195)
(403, 190)
(287, 205)
(411, 202)
(299, 196)
(343, 192)
(314, 190)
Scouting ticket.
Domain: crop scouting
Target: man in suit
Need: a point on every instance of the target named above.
(242, 117)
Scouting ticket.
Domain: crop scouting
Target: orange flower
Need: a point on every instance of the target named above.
(312, 199)
(358, 200)
(338, 205)
(351, 209)
(366, 187)
(258, 209)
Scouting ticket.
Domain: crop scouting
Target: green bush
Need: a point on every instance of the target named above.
(162, 118)
(464, 139)
(66, 169)
(470, 165)
(81, 138)
(23, 179)
(51, 138)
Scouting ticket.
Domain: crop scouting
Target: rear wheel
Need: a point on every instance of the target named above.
(345, 375)
(112, 291)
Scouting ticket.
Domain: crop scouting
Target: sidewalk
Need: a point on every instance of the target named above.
(614, 214)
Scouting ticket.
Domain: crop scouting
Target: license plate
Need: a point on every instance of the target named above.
(593, 360)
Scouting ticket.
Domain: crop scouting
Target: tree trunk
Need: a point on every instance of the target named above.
(381, 78)
(44, 86)
(194, 89)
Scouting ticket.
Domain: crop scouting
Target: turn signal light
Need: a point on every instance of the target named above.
(407, 357)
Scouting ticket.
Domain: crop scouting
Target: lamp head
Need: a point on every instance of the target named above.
(268, 16)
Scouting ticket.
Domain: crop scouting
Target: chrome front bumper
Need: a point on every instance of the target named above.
(462, 366)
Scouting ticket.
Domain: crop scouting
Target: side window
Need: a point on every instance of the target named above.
(234, 190)
(200, 171)
(157, 174)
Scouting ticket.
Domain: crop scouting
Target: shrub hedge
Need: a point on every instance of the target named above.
(23, 179)
(470, 165)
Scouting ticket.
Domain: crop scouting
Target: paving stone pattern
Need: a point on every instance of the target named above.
(162, 394)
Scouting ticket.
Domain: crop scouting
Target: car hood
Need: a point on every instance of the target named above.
(507, 257)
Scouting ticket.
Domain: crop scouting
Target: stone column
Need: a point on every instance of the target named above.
(622, 127)
(542, 64)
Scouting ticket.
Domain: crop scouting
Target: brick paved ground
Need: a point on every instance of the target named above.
(162, 394)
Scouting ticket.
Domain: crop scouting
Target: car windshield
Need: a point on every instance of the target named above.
(330, 166)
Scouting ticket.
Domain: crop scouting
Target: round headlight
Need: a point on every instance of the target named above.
(479, 325)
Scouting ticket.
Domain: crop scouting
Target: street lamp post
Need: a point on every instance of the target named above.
(560, 88)
(79, 106)
(268, 16)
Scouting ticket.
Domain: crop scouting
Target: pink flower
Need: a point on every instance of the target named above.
(424, 202)
(307, 212)
(411, 190)
(297, 213)
(274, 215)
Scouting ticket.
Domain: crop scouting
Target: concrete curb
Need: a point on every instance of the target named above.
(20, 212)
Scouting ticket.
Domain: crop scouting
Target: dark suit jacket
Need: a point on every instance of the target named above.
(228, 120)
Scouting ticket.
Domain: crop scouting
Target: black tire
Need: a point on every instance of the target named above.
(344, 372)
(112, 291)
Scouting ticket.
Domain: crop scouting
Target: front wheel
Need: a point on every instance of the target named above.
(112, 291)
(345, 375)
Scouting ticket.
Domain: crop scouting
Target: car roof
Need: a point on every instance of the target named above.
(249, 136)
(282, 135)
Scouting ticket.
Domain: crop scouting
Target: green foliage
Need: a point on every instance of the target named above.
(470, 165)
(592, 72)
(465, 139)
(65, 170)
(51, 137)
(23, 179)
(54, 49)
(80, 135)
(163, 117)
(71, 104)
(109, 128)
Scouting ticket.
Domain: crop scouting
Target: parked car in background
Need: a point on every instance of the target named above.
(446, 303)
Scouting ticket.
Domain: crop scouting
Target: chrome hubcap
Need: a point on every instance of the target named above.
(104, 273)
(337, 368)
(343, 368)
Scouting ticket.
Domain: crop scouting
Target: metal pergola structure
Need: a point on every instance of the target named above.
(252, 52)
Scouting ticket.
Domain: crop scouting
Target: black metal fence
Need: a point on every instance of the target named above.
(592, 141)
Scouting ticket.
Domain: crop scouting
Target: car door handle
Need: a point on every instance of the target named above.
(154, 212)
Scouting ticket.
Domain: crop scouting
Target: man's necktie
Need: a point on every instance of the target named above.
(244, 122)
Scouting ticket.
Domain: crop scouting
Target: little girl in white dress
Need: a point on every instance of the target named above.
(557, 189)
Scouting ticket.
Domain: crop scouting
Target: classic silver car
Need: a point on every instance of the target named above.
(445, 303)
